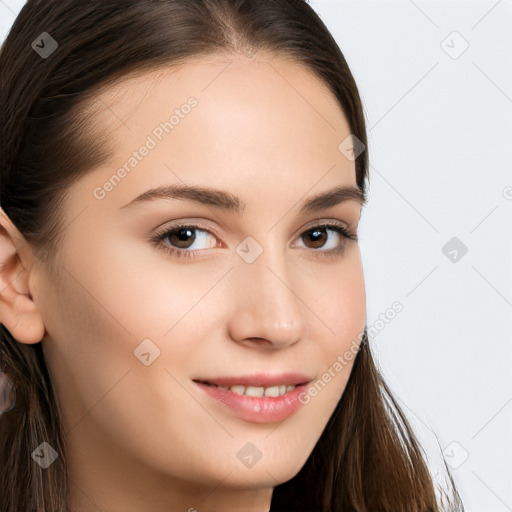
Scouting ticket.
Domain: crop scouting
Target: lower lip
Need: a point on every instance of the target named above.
(265, 409)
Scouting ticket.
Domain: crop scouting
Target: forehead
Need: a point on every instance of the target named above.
(255, 125)
(231, 91)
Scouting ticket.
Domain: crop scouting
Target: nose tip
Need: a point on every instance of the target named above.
(269, 313)
(270, 336)
(274, 337)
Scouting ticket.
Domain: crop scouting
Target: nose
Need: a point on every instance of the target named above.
(269, 311)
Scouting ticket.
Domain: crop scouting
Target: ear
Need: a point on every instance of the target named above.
(18, 312)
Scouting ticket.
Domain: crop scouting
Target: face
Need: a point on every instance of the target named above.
(244, 286)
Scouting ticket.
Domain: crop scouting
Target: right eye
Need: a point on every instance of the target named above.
(181, 240)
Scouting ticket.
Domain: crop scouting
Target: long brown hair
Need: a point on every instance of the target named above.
(368, 458)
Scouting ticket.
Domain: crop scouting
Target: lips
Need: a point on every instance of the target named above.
(256, 403)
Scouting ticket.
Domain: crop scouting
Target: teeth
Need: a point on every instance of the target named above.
(273, 391)
(239, 390)
(253, 391)
(258, 391)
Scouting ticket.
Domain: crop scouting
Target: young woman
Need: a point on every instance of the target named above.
(183, 321)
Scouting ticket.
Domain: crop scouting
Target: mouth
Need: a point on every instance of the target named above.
(258, 398)
(258, 385)
(255, 391)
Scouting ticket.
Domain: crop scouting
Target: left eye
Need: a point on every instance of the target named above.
(181, 239)
(318, 236)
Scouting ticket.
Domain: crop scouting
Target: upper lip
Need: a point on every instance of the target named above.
(259, 380)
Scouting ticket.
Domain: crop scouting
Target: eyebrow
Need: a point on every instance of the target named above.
(228, 202)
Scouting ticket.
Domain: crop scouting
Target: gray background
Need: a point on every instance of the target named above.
(436, 82)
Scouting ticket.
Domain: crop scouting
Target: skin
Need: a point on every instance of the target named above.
(143, 438)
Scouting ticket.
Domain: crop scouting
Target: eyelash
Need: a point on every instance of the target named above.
(158, 238)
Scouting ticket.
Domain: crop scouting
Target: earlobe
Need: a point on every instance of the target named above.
(18, 312)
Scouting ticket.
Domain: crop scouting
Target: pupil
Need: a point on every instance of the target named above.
(182, 234)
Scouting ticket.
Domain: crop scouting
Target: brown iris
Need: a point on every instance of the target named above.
(181, 236)
(318, 236)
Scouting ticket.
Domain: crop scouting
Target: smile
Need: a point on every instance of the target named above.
(256, 391)
(259, 398)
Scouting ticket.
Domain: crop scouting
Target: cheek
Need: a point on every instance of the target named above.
(340, 303)
(108, 303)
(85, 348)
(146, 292)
